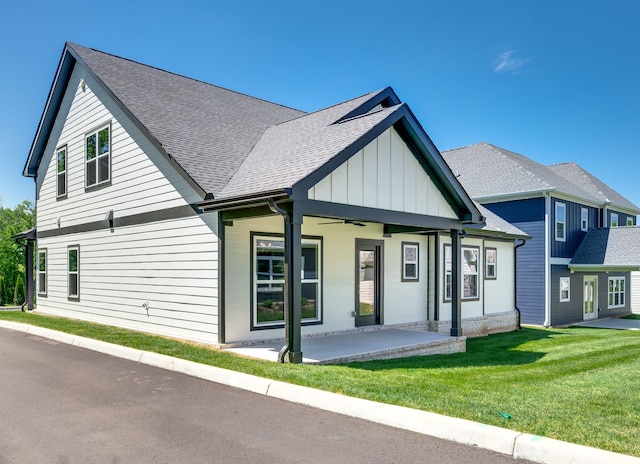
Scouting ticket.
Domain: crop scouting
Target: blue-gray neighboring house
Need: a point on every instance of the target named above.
(575, 267)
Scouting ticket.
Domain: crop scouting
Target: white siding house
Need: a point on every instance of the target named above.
(174, 207)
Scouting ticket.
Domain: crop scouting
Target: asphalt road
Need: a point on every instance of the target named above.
(63, 404)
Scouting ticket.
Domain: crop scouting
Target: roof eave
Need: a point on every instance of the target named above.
(604, 267)
(257, 198)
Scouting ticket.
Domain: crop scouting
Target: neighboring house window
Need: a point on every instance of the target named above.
(410, 262)
(584, 220)
(629, 221)
(61, 156)
(469, 272)
(565, 289)
(98, 156)
(73, 253)
(561, 232)
(42, 272)
(614, 220)
(490, 263)
(268, 280)
(616, 292)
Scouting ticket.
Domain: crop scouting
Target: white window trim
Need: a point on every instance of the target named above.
(98, 157)
(584, 219)
(612, 221)
(568, 297)
(495, 263)
(405, 261)
(563, 207)
(255, 281)
(76, 273)
(611, 294)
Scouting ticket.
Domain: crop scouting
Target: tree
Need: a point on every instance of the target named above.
(12, 259)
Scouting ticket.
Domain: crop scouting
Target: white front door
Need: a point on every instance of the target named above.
(590, 298)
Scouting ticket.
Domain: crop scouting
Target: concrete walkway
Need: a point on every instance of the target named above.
(519, 445)
(619, 324)
(361, 346)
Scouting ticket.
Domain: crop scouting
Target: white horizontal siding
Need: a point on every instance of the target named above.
(385, 175)
(119, 273)
(635, 292)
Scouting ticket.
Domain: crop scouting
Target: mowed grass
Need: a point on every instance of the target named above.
(577, 384)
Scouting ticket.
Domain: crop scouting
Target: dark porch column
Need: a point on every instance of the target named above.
(456, 284)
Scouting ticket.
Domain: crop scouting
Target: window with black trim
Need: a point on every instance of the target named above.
(584, 219)
(410, 254)
(268, 280)
(614, 220)
(61, 169)
(42, 272)
(73, 272)
(469, 271)
(490, 263)
(98, 156)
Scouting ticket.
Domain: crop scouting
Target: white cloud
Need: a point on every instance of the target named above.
(508, 62)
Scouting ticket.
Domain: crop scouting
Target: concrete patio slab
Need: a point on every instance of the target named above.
(619, 324)
(378, 344)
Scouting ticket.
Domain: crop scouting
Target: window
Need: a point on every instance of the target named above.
(565, 289)
(73, 253)
(410, 262)
(98, 157)
(268, 280)
(490, 263)
(584, 219)
(61, 156)
(561, 233)
(469, 272)
(614, 220)
(629, 221)
(616, 292)
(42, 272)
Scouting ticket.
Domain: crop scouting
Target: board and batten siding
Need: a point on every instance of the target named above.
(531, 274)
(160, 276)
(386, 175)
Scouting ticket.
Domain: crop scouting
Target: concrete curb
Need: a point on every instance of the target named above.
(519, 445)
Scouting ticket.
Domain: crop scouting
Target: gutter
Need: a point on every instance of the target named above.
(515, 282)
(547, 263)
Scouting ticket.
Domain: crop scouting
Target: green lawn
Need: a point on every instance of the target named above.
(579, 385)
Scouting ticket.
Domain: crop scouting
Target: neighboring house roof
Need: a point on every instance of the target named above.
(615, 248)
(496, 226)
(231, 146)
(488, 172)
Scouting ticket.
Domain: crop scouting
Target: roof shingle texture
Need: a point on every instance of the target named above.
(615, 246)
(494, 223)
(207, 129)
(486, 170)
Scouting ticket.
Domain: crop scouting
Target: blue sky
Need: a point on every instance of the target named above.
(556, 80)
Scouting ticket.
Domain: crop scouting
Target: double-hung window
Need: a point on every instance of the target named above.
(61, 169)
(469, 271)
(561, 213)
(409, 262)
(268, 280)
(565, 289)
(616, 292)
(490, 263)
(98, 156)
(73, 271)
(42, 272)
(584, 219)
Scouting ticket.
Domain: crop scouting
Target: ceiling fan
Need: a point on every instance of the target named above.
(345, 221)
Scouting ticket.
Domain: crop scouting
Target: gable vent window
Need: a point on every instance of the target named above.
(98, 157)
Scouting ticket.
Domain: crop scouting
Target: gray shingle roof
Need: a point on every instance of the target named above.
(207, 129)
(489, 171)
(496, 225)
(615, 246)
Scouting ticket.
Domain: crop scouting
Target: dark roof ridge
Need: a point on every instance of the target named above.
(72, 45)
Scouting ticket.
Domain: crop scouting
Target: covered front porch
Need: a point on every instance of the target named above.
(367, 345)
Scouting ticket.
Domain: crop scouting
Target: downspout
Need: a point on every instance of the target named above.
(285, 215)
(515, 283)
